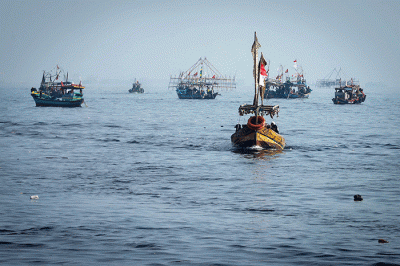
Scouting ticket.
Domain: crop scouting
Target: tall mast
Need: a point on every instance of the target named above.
(254, 51)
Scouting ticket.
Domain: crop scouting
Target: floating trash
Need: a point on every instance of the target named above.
(358, 197)
(34, 197)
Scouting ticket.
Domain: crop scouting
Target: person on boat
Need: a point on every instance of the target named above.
(274, 127)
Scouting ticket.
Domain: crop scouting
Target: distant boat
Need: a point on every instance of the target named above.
(136, 87)
(257, 132)
(200, 81)
(287, 90)
(196, 90)
(349, 94)
(54, 93)
(292, 88)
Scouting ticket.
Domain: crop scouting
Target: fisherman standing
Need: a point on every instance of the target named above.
(274, 127)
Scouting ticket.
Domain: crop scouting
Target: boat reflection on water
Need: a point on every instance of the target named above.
(256, 152)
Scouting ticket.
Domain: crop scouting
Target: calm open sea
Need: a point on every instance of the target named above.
(148, 179)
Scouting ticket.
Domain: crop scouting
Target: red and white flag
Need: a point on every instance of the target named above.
(287, 70)
(263, 72)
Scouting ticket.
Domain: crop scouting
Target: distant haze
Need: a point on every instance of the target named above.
(98, 41)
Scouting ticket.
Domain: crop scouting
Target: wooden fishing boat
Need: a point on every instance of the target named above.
(201, 81)
(136, 87)
(257, 132)
(57, 93)
(349, 94)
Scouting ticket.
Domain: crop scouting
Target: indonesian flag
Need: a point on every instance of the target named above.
(213, 77)
(195, 74)
(295, 64)
(287, 70)
(263, 73)
(295, 61)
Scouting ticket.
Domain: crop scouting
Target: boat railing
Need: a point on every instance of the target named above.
(262, 110)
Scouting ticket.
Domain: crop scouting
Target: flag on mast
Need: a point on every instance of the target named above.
(263, 73)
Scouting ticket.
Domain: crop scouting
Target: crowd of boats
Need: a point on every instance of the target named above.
(201, 82)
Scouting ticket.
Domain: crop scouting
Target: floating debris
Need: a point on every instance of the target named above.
(383, 241)
(34, 197)
(358, 197)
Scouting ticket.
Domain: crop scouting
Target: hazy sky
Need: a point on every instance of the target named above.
(154, 39)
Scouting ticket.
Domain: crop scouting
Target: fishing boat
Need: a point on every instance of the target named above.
(201, 81)
(136, 87)
(196, 90)
(56, 93)
(294, 87)
(287, 90)
(349, 94)
(257, 132)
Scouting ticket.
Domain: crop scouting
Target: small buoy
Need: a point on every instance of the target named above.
(382, 241)
(358, 197)
(34, 197)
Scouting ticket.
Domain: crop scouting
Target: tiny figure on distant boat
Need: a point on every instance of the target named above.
(136, 87)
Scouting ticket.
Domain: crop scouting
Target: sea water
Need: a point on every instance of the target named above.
(148, 179)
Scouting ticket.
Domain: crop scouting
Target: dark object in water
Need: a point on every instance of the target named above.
(383, 241)
(358, 197)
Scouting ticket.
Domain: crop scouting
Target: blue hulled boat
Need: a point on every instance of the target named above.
(57, 93)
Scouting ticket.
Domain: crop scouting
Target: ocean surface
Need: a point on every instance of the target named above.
(148, 179)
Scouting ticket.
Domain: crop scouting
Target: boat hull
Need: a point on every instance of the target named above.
(136, 90)
(57, 103)
(197, 96)
(296, 96)
(349, 101)
(265, 138)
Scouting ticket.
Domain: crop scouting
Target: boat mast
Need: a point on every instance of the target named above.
(254, 51)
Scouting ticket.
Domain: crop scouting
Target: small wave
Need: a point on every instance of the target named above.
(113, 126)
(109, 140)
(259, 210)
